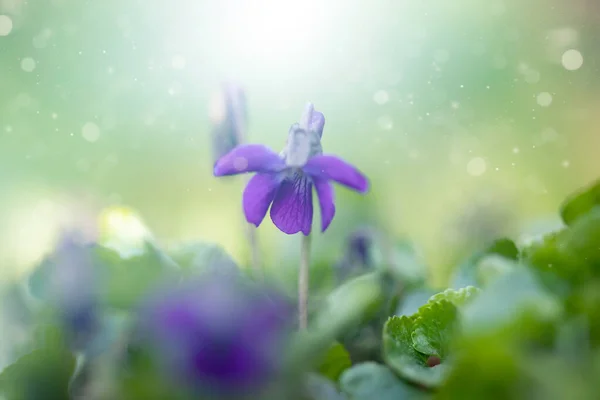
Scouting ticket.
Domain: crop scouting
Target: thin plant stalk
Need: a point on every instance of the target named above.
(303, 276)
(251, 232)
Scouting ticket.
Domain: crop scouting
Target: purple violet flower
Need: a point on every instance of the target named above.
(284, 181)
(73, 291)
(218, 335)
(229, 117)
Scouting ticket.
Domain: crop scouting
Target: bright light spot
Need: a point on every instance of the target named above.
(90, 132)
(566, 163)
(54, 115)
(572, 60)
(385, 122)
(516, 150)
(178, 62)
(275, 31)
(544, 99)
(381, 97)
(122, 230)
(455, 105)
(476, 167)
(28, 64)
(6, 25)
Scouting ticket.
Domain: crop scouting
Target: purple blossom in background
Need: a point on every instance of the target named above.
(229, 117)
(218, 335)
(73, 284)
(285, 181)
(357, 256)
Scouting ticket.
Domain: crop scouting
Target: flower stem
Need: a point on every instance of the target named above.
(303, 275)
(252, 239)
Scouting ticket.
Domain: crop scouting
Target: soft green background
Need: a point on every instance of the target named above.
(462, 80)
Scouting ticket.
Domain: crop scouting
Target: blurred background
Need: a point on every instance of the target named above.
(473, 119)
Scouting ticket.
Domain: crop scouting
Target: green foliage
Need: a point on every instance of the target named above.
(43, 373)
(580, 203)
(369, 380)
(336, 361)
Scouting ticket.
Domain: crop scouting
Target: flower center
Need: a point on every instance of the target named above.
(301, 146)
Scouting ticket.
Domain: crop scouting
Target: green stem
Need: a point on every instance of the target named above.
(303, 276)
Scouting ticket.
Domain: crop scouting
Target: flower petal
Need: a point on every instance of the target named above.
(326, 201)
(258, 196)
(248, 158)
(334, 168)
(317, 122)
(292, 209)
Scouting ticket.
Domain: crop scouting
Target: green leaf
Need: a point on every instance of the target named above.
(128, 279)
(466, 272)
(320, 388)
(580, 203)
(336, 361)
(369, 381)
(456, 297)
(43, 373)
(400, 354)
(413, 300)
(198, 257)
(557, 269)
(484, 368)
(493, 266)
(582, 240)
(356, 301)
(507, 301)
(434, 327)
(402, 261)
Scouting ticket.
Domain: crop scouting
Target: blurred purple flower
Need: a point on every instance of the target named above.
(285, 181)
(217, 335)
(73, 285)
(357, 256)
(229, 117)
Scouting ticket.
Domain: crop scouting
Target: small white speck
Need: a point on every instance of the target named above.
(544, 99)
(462, 86)
(566, 163)
(28, 64)
(516, 150)
(8, 128)
(90, 132)
(572, 60)
(476, 166)
(54, 115)
(381, 97)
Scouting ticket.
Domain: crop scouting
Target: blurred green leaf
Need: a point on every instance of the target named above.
(43, 373)
(580, 203)
(507, 301)
(352, 303)
(484, 368)
(466, 273)
(128, 279)
(434, 325)
(198, 257)
(492, 266)
(413, 300)
(402, 261)
(401, 355)
(336, 361)
(321, 388)
(582, 240)
(368, 381)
